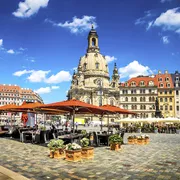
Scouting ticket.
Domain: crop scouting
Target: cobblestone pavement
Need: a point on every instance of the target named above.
(159, 160)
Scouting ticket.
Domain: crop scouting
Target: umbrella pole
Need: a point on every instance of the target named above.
(73, 120)
(108, 123)
(101, 121)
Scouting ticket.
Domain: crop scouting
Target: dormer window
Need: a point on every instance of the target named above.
(160, 79)
(177, 79)
(151, 83)
(168, 85)
(126, 84)
(161, 85)
(167, 79)
(142, 83)
(133, 83)
(97, 65)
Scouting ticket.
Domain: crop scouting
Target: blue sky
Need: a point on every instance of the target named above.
(41, 41)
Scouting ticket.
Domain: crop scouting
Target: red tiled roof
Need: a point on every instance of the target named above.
(164, 82)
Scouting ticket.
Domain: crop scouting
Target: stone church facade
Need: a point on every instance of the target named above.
(91, 82)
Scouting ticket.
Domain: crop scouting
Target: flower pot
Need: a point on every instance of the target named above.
(51, 155)
(115, 147)
(61, 153)
(135, 141)
(146, 141)
(140, 141)
(87, 152)
(73, 155)
(56, 154)
(130, 141)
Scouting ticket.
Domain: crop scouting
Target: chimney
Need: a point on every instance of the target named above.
(166, 72)
(159, 72)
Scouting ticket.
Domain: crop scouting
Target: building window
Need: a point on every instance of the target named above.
(161, 85)
(177, 92)
(167, 79)
(177, 108)
(165, 92)
(170, 99)
(133, 83)
(160, 79)
(161, 99)
(161, 92)
(126, 99)
(85, 66)
(168, 85)
(111, 102)
(142, 83)
(97, 65)
(165, 99)
(170, 108)
(170, 92)
(150, 91)
(166, 108)
(161, 108)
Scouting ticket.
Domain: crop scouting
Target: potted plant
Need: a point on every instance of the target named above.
(115, 142)
(146, 140)
(73, 152)
(155, 130)
(84, 133)
(132, 139)
(141, 140)
(87, 151)
(138, 128)
(56, 148)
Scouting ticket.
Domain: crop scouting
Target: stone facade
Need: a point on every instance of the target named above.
(139, 94)
(176, 83)
(91, 83)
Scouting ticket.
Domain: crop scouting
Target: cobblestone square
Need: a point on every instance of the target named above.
(157, 160)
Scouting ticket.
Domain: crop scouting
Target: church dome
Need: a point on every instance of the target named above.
(94, 64)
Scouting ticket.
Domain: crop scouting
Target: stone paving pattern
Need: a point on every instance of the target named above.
(159, 160)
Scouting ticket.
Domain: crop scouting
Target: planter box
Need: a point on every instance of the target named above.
(140, 141)
(57, 154)
(73, 155)
(146, 141)
(87, 153)
(130, 141)
(115, 147)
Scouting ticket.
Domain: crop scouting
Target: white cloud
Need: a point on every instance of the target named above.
(134, 69)
(110, 58)
(1, 42)
(145, 18)
(29, 7)
(41, 76)
(43, 90)
(10, 51)
(59, 77)
(170, 20)
(163, 1)
(77, 25)
(20, 73)
(54, 87)
(22, 49)
(149, 25)
(32, 60)
(165, 39)
(38, 76)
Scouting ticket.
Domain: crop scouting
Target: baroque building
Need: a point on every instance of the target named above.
(139, 94)
(91, 83)
(165, 94)
(176, 82)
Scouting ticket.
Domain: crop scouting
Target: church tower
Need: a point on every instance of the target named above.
(91, 83)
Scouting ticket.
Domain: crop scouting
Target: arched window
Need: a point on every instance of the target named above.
(132, 99)
(93, 42)
(135, 106)
(144, 99)
(135, 99)
(111, 102)
(149, 99)
(153, 99)
(161, 85)
(151, 83)
(126, 99)
(142, 83)
(168, 85)
(84, 66)
(141, 99)
(87, 100)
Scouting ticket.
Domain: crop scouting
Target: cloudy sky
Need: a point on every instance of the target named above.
(41, 41)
